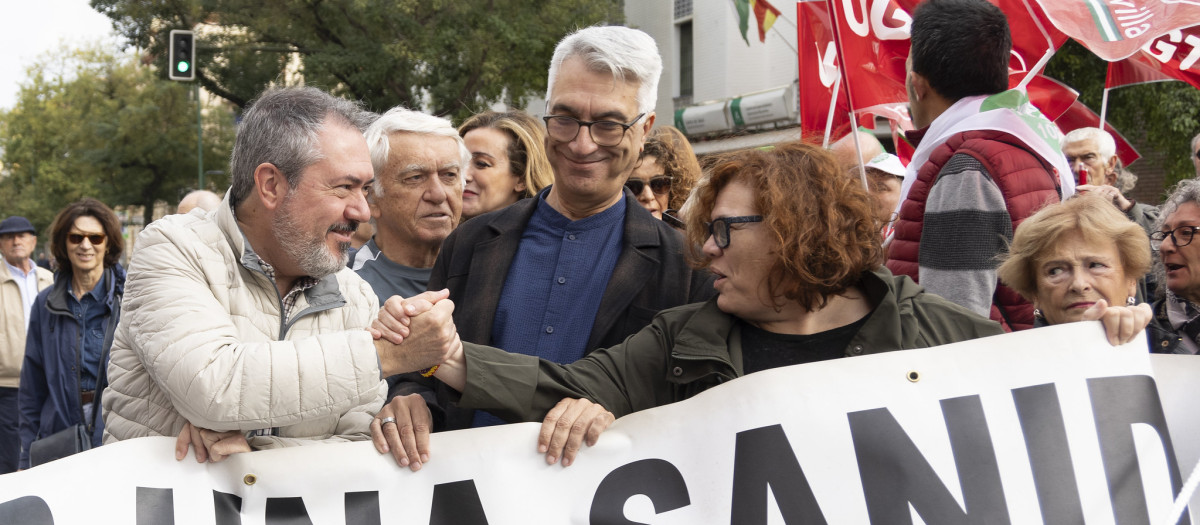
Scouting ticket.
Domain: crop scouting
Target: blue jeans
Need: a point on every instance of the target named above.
(10, 422)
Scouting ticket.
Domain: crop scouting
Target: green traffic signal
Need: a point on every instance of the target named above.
(182, 67)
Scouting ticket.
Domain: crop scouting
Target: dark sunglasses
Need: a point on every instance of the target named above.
(660, 185)
(76, 238)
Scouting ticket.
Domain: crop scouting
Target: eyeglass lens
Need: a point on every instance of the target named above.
(607, 133)
(1181, 236)
(660, 185)
(95, 238)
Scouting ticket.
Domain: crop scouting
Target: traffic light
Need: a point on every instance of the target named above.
(182, 64)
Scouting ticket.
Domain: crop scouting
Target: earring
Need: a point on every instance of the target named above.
(1130, 301)
(1037, 314)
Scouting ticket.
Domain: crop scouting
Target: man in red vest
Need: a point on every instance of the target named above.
(985, 160)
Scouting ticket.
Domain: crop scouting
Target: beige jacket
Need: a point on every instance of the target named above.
(12, 323)
(200, 339)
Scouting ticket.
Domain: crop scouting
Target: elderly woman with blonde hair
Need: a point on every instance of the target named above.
(1080, 260)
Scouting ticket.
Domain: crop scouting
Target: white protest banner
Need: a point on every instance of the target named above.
(1044, 426)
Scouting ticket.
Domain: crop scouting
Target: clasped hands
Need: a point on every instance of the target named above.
(402, 427)
(409, 335)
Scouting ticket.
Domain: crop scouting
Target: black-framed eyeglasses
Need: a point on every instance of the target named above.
(1197, 154)
(719, 228)
(76, 238)
(607, 133)
(1181, 236)
(660, 185)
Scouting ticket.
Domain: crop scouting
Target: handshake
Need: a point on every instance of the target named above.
(417, 333)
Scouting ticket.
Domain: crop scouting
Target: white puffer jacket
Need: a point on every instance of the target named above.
(201, 340)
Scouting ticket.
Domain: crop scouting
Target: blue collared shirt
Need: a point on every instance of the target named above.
(556, 282)
(91, 312)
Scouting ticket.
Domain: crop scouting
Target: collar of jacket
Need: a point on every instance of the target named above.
(508, 225)
(638, 233)
(324, 295)
(698, 339)
(114, 278)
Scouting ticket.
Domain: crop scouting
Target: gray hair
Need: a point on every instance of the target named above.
(630, 55)
(281, 128)
(1195, 140)
(1188, 190)
(403, 120)
(1126, 180)
(1104, 142)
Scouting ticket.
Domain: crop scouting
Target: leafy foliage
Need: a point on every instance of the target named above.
(450, 56)
(92, 123)
(1163, 115)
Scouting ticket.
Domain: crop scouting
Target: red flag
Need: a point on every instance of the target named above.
(1051, 97)
(1116, 29)
(1029, 43)
(1132, 70)
(872, 48)
(1079, 116)
(1172, 56)
(819, 71)
(766, 15)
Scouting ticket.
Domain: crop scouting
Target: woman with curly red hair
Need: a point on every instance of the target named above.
(795, 247)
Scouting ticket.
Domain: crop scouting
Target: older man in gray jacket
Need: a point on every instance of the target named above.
(243, 329)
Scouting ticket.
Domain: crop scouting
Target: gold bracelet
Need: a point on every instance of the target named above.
(429, 371)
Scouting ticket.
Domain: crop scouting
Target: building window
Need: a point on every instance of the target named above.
(685, 57)
(683, 9)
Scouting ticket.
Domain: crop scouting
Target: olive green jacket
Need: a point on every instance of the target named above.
(692, 348)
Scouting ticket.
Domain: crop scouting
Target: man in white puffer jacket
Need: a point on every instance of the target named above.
(242, 328)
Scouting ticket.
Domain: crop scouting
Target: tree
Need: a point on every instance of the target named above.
(450, 56)
(93, 123)
(1163, 115)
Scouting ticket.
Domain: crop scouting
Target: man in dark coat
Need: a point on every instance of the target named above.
(581, 266)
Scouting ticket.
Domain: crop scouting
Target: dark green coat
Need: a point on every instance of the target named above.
(692, 348)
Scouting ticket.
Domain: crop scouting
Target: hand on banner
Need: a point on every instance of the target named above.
(566, 427)
(1109, 193)
(402, 427)
(1122, 324)
(210, 445)
(397, 312)
(432, 336)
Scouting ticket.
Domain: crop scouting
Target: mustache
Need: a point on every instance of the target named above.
(345, 227)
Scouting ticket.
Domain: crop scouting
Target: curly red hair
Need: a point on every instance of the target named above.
(822, 222)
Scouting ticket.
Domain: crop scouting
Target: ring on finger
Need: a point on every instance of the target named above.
(387, 420)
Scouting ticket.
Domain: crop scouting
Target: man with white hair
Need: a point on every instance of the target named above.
(582, 266)
(416, 199)
(1094, 152)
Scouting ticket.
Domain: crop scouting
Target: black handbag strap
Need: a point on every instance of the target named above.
(110, 331)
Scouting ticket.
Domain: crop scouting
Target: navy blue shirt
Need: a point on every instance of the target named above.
(91, 312)
(555, 284)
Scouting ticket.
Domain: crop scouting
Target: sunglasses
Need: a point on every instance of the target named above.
(76, 238)
(660, 185)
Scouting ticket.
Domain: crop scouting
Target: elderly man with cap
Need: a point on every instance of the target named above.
(885, 175)
(20, 282)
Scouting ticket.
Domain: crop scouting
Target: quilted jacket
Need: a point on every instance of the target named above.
(201, 339)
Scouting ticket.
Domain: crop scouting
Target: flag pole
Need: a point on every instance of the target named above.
(832, 110)
(1041, 63)
(1104, 105)
(862, 166)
